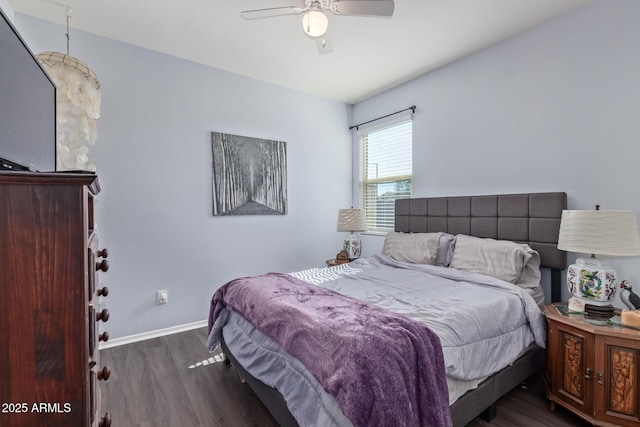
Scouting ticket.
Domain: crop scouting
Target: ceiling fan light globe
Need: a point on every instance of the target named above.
(315, 23)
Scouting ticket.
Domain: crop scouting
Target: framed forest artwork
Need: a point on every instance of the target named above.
(249, 175)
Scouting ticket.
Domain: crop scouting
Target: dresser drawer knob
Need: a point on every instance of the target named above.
(103, 315)
(104, 336)
(103, 292)
(103, 253)
(104, 374)
(105, 421)
(103, 265)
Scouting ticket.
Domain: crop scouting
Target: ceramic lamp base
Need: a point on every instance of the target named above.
(353, 245)
(591, 281)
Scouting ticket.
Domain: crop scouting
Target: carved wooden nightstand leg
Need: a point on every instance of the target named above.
(552, 406)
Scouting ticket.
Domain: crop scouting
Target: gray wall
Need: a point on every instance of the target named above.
(553, 109)
(154, 163)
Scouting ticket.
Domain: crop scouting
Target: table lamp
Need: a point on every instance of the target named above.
(592, 281)
(353, 221)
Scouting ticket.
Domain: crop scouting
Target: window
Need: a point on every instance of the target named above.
(385, 170)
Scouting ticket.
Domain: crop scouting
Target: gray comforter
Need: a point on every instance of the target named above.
(339, 340)
(483, 323)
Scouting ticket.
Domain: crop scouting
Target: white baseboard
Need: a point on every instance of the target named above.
(152, 334)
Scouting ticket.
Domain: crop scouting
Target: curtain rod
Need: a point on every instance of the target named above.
(412, 108)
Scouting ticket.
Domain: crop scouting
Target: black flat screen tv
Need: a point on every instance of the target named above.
(27, 106)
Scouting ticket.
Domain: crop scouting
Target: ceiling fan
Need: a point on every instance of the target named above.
(314, 19)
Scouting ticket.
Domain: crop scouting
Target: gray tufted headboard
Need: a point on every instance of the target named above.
(532, 218)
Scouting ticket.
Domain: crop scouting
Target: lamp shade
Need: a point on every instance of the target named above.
(352, 220)
(599, 232)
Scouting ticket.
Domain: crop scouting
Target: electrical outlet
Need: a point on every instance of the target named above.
(162, 297)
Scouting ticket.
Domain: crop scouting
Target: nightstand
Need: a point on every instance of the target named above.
(592, 370)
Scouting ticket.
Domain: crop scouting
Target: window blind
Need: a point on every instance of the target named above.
(385, 170)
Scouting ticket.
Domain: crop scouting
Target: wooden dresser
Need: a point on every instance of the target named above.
(592, 370)
(49, 301)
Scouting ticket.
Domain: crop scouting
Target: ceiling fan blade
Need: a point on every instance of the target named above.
(271, 12)
(363, 7)
(325, 45)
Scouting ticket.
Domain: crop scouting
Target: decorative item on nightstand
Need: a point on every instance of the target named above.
(597, 232)
(353, 221)
(341, 258)
(628, 297)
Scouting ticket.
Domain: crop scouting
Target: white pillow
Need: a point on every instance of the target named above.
(502, 259)
(416, 248)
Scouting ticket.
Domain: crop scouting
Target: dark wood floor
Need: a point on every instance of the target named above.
(175, 381)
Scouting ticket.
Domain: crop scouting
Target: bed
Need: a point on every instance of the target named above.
(532, 219)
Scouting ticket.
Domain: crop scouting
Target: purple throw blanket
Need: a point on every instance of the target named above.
(382, 368)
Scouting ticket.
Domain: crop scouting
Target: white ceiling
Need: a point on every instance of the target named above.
(369, 55)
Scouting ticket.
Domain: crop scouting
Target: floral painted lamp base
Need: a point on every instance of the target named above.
(353, 246)
(592, 281)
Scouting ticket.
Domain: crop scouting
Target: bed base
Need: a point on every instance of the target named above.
(269, 396)
(482, 400)
(478, 402)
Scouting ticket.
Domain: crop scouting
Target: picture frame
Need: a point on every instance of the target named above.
(249, 175)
